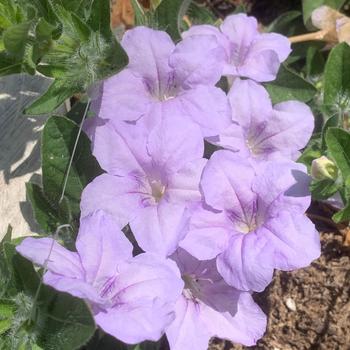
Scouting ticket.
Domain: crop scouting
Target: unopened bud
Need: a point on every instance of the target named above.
(324, 17)
(323, 168)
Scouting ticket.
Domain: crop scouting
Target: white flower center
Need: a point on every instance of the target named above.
(158, 190)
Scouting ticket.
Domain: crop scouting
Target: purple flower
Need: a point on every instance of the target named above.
(131, 298)
(249, 53)
(152, 178)
(162, 78)
(253, 220)
(263, 131)
(209, 307)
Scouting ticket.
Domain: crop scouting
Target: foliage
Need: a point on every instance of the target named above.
(71, 42)
(34, 316)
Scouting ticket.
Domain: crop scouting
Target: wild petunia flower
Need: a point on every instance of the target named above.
(209, 308)
(262, 131)
(249, 53)
(132, 298)
(162, 78)
(152, 178)
(253, 220)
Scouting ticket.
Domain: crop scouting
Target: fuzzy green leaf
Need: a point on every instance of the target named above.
(337, 76)
(338, 144)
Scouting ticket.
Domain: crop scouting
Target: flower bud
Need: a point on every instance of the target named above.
(323, 168)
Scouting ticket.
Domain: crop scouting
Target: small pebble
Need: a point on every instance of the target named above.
(290, 303)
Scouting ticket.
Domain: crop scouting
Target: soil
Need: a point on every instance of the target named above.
(308, 308)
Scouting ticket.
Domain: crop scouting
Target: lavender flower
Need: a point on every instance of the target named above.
(249, 53)
(209, 307)
(263, 131)
(253, 220)
(162, 78)
(152, 178)
(131, 298)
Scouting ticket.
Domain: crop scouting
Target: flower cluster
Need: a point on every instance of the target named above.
(212, 231)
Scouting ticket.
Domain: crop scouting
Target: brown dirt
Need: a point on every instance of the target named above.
(321, 294)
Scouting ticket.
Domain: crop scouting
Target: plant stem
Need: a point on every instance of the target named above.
(322, 35)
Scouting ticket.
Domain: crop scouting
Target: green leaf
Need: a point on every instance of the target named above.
(8, 65)
(16, 38)
(342, 215)
(68, 323)
(169, 15)
(338, 144)
(290, 86)
(7, 236)
(140, 16)
(330, 122)
(200, 14)
(311, 152)
(41, 318)
(323, 189)
(100, 11)
(56, 94)
(7, 308)
(45, 212)
(80, 57)
(310, 5)
(315, 61)
(289, 23)
(59, 137)
(337, 75)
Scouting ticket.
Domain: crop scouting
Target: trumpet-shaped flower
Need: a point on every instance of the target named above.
(249, 53)
(262, 131)
(152, 178)
(253, 220)
(162, 78)
(132, 298)
(209, 307)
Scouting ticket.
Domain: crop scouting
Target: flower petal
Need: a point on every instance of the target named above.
(274, 42)
(115, 195)
(241, 31)
(206, 29)
(149, 52)
(282, 185)
(198, 60)
(250, 102)
(226, 183)
(57, 259)
(208, 234)
(147, 289)
(248, 262)
(245, 325)
(289, 128)
(260, 66)
(125, 97)
(101, 246)
(76, 287)
(206, 106)
(183, 186)
(121, 150)
(174, 142)
(295, 240)
(188, 329)
(159, 228)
